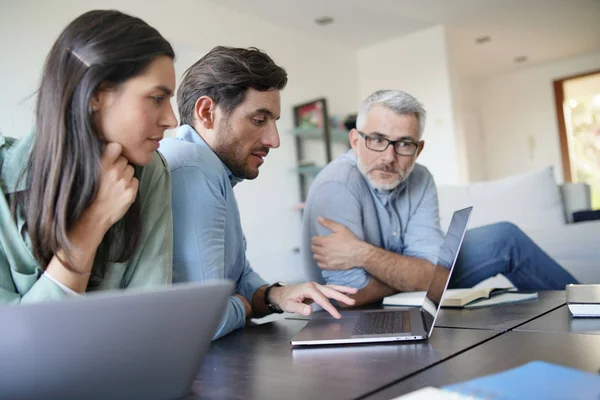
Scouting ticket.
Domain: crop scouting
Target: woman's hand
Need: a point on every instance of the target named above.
(118, 188)
(117, 191)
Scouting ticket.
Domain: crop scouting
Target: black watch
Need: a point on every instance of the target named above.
(272, 307)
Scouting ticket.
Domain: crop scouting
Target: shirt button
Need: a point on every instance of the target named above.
(395, 233)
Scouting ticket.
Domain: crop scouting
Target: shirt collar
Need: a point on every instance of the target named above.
(189, 134)
(15, 161)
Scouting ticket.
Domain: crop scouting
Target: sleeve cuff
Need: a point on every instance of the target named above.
(63, 287)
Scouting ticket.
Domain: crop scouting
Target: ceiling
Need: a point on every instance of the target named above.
(541, 30)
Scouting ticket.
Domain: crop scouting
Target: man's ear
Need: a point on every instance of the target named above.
(204, 112)
(420, 148)
(354, 137)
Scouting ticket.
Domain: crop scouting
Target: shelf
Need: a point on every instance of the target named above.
(337, 135)
(340, 136)
(308, 132)
(308, 170)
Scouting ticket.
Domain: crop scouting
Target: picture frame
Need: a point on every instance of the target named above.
(312, 114)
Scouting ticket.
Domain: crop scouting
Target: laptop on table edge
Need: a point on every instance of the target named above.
(119, 344)
(398, 324)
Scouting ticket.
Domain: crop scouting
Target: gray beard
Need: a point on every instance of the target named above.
(389, 186)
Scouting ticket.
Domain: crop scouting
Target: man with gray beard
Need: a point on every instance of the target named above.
(371, 219)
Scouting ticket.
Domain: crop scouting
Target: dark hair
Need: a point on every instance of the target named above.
(225, 74)
(99, 47)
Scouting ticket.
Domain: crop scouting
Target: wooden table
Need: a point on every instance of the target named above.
(502, 318)
(561, 321)
(259, 362)
(506, 351)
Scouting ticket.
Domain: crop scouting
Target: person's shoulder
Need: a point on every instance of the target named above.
(13, 145)
(194, 163)
(342, 171)
(5, 144)
(154, 172)
(14, 154)
(181, 154)
(6, 141)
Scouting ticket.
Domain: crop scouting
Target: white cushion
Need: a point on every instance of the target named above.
(574, 247)
(528, 200)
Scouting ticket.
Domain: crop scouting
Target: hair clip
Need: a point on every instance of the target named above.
(74, 53)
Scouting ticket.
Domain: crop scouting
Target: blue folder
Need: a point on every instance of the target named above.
(535, 380)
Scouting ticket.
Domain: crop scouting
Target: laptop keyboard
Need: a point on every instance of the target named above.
(378, 323)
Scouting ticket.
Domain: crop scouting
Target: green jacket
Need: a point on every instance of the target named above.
(22, 279)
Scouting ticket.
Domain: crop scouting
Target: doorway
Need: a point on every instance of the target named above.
(578, 111)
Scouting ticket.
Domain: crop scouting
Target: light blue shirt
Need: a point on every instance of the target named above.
(208, 238)
(404, 221)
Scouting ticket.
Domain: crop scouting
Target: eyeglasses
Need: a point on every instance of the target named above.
(402, 147)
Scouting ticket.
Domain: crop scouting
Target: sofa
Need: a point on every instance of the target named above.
(541, 208)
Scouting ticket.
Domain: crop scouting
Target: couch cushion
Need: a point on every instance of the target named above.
(528, 200)
(574, 247)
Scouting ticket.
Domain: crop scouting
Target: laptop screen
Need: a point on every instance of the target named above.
(445, 265)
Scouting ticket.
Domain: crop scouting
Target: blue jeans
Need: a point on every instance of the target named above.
(503, 248)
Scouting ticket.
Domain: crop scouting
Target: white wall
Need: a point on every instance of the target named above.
(418, 64)
(473, 137)
(518, 117)
(468, 134)
(316, 69)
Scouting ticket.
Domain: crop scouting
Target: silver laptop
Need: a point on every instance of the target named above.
(400, 323)
(135, 344)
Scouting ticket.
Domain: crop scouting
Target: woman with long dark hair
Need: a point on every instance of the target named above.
(86, 198)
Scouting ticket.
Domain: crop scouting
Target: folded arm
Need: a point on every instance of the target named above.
(390, 272)
(340, 246)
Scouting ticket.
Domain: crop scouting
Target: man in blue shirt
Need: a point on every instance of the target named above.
(371, 219)
(228, 106)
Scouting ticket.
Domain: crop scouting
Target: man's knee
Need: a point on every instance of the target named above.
(506, 231)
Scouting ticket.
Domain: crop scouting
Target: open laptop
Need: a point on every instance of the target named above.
(400, 323)
(134, 344)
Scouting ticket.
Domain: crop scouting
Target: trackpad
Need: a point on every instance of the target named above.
(327, 328)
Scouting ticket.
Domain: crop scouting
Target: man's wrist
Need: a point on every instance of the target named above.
(362, 254)
(273, 296)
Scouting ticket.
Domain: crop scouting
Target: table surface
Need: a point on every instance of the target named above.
(502, 317)
(506, 351)
(260, 363)
(561, 320)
